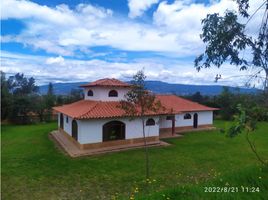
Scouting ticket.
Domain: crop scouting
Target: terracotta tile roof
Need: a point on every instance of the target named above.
(178, 104)
(107, 82)
(88, 109)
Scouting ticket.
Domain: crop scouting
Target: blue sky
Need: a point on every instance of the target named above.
(84, 40)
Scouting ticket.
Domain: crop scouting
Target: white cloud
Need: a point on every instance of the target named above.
(65, 31)
(55, 60)
(60, 15)
(138, 7)
(185, 19)
(47, 69)
(26, 9)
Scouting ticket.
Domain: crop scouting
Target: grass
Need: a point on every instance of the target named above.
(33, 168)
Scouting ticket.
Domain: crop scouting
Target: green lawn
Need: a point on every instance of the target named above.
(33, 168)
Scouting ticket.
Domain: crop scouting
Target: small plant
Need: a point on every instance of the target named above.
(139, 102)
(244, 123)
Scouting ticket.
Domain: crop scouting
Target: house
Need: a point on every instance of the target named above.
(98, 121)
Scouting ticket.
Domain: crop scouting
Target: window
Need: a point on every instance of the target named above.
(150, 122)
(67, 119)
(187, 116)
(90, 93)
(113, 93)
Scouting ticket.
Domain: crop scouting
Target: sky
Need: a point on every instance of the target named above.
(85, 40)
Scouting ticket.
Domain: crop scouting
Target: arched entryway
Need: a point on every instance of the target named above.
(74, 129)
(61, 121)
(113, 130)
(195, 120)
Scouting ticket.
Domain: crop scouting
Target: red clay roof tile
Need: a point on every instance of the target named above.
(178, 104)
(88, 109)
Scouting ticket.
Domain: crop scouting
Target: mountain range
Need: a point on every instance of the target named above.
(157, 87)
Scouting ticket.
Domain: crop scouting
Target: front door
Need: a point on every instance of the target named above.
(195, 120)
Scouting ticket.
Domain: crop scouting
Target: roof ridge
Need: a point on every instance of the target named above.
(107, 82)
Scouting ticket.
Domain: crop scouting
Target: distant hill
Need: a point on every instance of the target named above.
(157, 87)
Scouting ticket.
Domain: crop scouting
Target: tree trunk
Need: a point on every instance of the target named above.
(266, 81)
(252, 146)
(146, 149)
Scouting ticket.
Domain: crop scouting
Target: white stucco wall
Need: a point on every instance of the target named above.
(102, 93)
(67, 126)
(204, 118)
(163, 123)
(90, 131)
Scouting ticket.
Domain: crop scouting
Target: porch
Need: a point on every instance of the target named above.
(180, 131)
(74, 149)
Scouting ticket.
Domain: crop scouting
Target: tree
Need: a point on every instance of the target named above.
(226, 40)
(50, 90)
(40, 107)
(139, 102)
(6, 98)
(49, 102)
(21, 85)
(226, 102)
(22, 89)
(21, 107)
(197, 97)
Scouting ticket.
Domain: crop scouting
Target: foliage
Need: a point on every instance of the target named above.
(47, 102)
(226, 40)
(21, 108)
(5, 97)
(21, 85)
(197, 97)
(18, 90)
(256, 105)
(139, 101)
(21, 102)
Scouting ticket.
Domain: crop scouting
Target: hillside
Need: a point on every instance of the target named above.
(157, 87)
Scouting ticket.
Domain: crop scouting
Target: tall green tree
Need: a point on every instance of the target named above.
(226, 39)
(39, 104)
(197, 97)
(22, 89)
(50, 100)
(227, 104)
(21, 85)
(50, 90)
(6, 97)
(139, 102)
